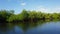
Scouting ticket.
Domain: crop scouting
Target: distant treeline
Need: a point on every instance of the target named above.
(9, 16)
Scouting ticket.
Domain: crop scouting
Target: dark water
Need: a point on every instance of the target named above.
(31, 28)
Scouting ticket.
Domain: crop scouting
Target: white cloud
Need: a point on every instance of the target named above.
(42, 9)
(23, 4)
(57, 10)
(48, 10)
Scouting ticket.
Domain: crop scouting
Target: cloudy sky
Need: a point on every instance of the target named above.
(48, 6)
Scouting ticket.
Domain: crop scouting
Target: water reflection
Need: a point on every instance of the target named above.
(40, 27)
(2, 28)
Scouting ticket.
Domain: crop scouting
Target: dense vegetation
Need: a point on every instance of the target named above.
(25, 16)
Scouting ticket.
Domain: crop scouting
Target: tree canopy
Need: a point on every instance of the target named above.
(9, 16)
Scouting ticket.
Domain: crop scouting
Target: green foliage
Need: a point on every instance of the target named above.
(24, 14)
(4, 15)
(32, 14)
(9, 16)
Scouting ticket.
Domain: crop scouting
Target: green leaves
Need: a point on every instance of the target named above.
(25, 15)
(4, 15)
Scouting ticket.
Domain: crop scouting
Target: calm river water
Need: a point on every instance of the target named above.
(31, 28)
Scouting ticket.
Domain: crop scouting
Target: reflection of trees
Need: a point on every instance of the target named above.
(33, 24)
(10, 25)
(25, 26)
(3, 28)
(29, 25)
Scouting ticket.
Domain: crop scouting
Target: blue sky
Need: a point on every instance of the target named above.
(48, 6)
